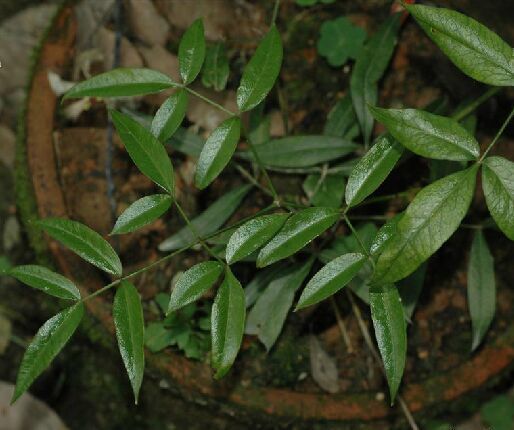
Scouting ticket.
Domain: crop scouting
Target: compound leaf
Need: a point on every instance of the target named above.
(429, 135)
(145, 150)
(142, 212)
(127, 312)
(390, 333)
(430, 219)
(227, 324)
(261, 72)
(472, 47)
(193, 283)
(169, 116)
(45, 280)
(84, 241)
(191, 52)
(298, 231)
(481, 288)
(47, 343)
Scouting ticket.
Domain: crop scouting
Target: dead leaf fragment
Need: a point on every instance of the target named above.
(323, 367)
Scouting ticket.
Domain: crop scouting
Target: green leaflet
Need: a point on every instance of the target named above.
(127, 312)
(45, 280)
(217, 151)
(385, 233)
(227, 324)
(208, 221)
(191, 52)
(47, 343)
(169, 116)
(142, 212)
(369, 68)
(145, 150)
(481, 288)
(430, 219)
(261, 280)
(216, 69)
(261, 72)
(330, 279)
(193, 283)
(252, 235)
(121, 83)
(83, 241)
(298, 231)
(390, 332)
(325, 190)
(429, 135)
(269, 313)
(341, 120)
(498, 185)
(472, 47)
(372, 169)
(302, 151)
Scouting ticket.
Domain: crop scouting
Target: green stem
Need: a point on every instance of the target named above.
(500, 132)
(275, 12)
(195, 232)
(466, 110)
(211, 102)
(357, 237)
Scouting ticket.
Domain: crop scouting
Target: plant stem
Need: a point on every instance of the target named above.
(247, 175)
(466, 110)
(195, 232)
(208, 100)
(359, 241)
(275, 12)
(500, 131)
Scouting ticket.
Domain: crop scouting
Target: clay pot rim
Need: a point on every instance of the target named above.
(194, 378)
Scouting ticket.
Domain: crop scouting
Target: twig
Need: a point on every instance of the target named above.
(342, 326)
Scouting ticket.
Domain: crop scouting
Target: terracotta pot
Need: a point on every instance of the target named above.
(193, 379)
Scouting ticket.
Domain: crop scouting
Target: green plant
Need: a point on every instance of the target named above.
(374, 263)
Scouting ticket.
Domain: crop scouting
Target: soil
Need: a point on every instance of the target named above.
(439, 336)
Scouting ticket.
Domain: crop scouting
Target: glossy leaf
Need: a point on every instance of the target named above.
(498, 185)
(429, 135)
(369, 68)
(45, 280)
(208, 221)
(121, 82)
(169, 116)
(83, 241)
(302, 151)
(216, 68)
(261, 72)
(193, 283)
(252, 235)
(472, 47)
(390, 333)
(372, 169)
(217, 151)
(269, 313)
(428, 222)
(145, 150)
(227, 324)
(481, 288)
(142, 212)
(386, 232)
(299, 229)
(325, 190)
(127, 312)
(341, 120)
(191, 52)
(330, 279)
(47, 343)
